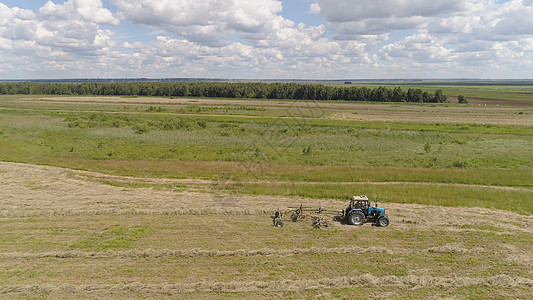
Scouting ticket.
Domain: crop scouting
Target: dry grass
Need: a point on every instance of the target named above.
(408, 282)
(93, 250)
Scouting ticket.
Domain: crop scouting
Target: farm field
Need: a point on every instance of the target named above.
(145, 197)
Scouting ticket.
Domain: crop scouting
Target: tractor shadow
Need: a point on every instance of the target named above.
(343, 221)
(340, 220)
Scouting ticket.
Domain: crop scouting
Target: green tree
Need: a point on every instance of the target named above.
(439, 97)
(462, 99)
(398, 95)
(414, 95)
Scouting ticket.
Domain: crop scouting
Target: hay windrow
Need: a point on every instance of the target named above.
(152, 253)
(455, 248)
(365, 280)
(135, 212)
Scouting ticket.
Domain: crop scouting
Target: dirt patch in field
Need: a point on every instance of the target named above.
(30, 190)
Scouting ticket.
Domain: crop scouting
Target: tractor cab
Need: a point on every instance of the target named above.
(359, 203)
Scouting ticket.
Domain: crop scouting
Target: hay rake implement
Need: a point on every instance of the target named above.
(301, 213)
(358, 212)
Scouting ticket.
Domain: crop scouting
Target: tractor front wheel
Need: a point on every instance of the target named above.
(383, 221)
(356, 218)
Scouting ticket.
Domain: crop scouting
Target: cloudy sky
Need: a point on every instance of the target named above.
(306, 39)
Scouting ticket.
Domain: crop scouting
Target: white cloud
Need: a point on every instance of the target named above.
(314, 8)
(72, 26)
(420, 47)
(354, 18)
(485, 20)
(93, 11)
(347, 10)
(207, 22)
(487, 33)
(5, 44)
(257, 22)
(87, 10)
(527, 43)
(252, 39)
(62, 41)
(136, 45)
(60, 37)
(175, 56)
(446, 33)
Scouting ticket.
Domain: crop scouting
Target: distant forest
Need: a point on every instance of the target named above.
(256, 90)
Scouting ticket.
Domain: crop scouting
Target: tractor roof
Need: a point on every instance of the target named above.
(362, 197)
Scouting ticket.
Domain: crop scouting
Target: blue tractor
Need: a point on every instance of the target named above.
(359, 212)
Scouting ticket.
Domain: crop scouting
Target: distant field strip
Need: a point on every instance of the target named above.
(162, 181)
(139, 113)
(409, 281)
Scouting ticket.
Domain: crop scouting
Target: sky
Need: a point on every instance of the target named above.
(266, 39)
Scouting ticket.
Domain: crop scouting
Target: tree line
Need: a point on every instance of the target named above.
(256, 90)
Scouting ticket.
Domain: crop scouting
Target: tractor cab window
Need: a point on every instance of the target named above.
(363, 205)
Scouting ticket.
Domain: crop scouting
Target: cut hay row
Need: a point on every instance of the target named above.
(136, 212)
(152, 253)
(366, 280)
(454, 248)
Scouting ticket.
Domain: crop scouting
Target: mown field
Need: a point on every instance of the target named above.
(171, 198)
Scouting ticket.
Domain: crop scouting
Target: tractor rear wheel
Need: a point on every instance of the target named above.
(383, 221)
(356, 218)
(279, 224)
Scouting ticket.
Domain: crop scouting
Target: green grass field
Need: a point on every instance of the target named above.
(171, 198)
